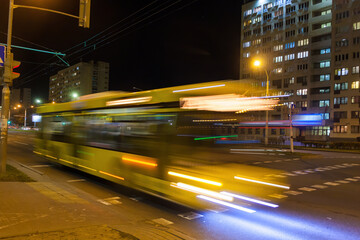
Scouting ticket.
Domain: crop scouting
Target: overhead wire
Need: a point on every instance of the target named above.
(34, 72)
(107, 37)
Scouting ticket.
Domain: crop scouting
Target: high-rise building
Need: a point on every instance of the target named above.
(78, 80)
(20, 96)
(311, 51)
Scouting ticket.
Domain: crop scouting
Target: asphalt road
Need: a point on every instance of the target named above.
(323, 202)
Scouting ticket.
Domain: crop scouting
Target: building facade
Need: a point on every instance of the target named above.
(310, 49)
(20, 96)
(78, 80)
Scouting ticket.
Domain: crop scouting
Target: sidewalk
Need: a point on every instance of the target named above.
(47, 210)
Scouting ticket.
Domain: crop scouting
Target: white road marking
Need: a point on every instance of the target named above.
(319, 186)
(110, 201)
(351, 179)
(190, 215)
(357, 177)
(40, 166)
(342, 181)
(279, 196)
(267, 161)
(104, 202)
(76, 180)
(293, 193)
(331, 183)
(162, 221)
(299, 172)
(307, 189)
(290, 174)
(257, 162)
(277, 161)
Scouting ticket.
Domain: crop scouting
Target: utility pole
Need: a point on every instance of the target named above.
(6, 91)
(291, 130)
(84, 21)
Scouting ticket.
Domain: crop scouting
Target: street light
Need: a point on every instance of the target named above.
(38, 101)
(19, 106)
(257, 63)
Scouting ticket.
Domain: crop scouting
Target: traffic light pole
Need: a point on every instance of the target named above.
(6, 91)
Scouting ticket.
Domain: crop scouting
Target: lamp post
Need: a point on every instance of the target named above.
(257, 63)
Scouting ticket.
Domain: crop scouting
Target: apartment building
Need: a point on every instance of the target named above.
(310, 49)
(80, 79)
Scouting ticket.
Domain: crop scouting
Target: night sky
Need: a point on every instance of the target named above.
(188, 42)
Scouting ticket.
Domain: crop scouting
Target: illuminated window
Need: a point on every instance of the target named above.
(340, 129)
(303, 54)
(326, 12)
(325, 51)
(246, 55)
(325, 25)
(257, 9)
(320, 131)
(324, 64)
(301, 92)
(277, 70)
(289, 45)
(290, 57)
(247, 12)
(246, 44)
(278, 47)
(355, 99)
(355, 85)
(355, 69)
(356, 26)
(340, 100)
(324, 77)
(257, 20)
(256, 41)
(278, 59)
(324, 103)
(341, 86)
(341, 71)
(303, 42)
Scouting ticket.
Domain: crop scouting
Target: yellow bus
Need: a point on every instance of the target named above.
(162, 142)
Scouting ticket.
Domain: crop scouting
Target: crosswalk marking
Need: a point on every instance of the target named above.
(293, 192)
(307, 189)
(342, 181)
(319, 186)
(351, 179)
(332, 183)
(279, 196)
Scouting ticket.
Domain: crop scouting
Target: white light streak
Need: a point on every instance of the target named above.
(251, 200)
(192, 89)
(261, 182)
(195, 178)
(203, 191)
(248, 210)
(128, 101)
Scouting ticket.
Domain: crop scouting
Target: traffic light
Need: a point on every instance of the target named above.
(84, 13)
(8, 74)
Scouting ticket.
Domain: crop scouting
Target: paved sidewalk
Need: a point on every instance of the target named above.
(48, 210)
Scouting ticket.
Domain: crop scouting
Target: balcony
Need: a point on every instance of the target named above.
(320, 31)
(317, 6)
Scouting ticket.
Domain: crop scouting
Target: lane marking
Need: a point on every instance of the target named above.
(40, 166)
(351, 179)
(307, 189)
(277, 161)
(162, 221)
(319, 186)
(279, 196)
(190, 215)
(293, 193)
(342, 181)
(331, 183)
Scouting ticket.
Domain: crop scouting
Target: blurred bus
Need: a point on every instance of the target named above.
(157, 141)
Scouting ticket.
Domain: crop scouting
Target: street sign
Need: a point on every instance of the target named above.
(2, 55)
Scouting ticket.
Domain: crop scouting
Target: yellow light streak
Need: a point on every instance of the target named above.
(50, 156)
(128, 101)
(38, 153)
(151, 164)
(91, 169)
(63, 160)
(261, 182)
(202, 191)
(195, 178)
(111, 175)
